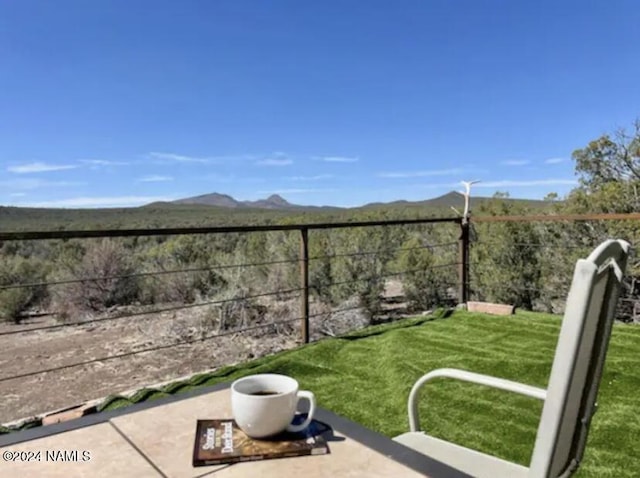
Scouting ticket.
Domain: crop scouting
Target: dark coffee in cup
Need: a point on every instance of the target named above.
(264, 392)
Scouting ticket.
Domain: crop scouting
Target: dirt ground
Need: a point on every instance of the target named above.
(26, 352)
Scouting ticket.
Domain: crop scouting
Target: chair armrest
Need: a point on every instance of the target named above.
(466, 376)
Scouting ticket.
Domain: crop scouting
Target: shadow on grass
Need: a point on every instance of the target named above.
(384, 328)
(211, 378)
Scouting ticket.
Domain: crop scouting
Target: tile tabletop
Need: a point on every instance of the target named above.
(166, 435)
(157, 439)
(97, 451)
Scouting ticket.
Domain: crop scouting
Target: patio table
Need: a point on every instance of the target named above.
(155, 439)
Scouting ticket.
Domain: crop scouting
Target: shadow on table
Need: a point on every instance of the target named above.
(315, 428)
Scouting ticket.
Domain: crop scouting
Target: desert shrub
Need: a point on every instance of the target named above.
(107, 267)
(320, 265)
(282, 246)
(19, 270)
(178, 254)
(359, 267)
(237, 311)
(424, 286)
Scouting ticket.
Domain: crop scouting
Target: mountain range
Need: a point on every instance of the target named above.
(277, 202)
(224, 200)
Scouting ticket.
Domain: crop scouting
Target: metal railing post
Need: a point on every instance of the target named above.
(304, 283)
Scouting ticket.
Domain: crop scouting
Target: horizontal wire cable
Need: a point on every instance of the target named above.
(206, 269)
(136, 352)
(203, 304)
(382, 276)
(532, 244)
(155, 311)
(366, 253)
(144, 274)
(168, 346)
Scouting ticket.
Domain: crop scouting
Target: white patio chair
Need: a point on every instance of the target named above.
(569, 400)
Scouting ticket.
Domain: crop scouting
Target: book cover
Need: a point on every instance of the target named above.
(221, 441)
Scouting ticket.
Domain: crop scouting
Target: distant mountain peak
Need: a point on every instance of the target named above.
(277, 199)
(213, 199)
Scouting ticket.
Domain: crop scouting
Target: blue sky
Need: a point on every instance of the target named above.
(119, 103)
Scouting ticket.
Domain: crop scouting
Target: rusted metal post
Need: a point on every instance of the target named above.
(463, 265)
(304, 282)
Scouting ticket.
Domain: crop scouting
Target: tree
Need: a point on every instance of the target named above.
(506, 257)
(609, 171)
(608, 160)
(424, 286)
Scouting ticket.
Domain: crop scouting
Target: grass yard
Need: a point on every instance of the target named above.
(366, 377)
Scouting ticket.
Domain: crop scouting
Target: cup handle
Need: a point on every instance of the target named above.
(312, 408)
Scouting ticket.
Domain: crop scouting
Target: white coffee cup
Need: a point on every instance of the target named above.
(265, 404)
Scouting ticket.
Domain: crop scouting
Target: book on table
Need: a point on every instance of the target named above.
(221, 441)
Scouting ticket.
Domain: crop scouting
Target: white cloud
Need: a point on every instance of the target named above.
(339, 159)
(317, 177)
(39, 167)
(516, 162)
(274, 162)
(554, 160)
(91, 202)
(420, 174)
(277, 158)
(230, 158)
(17, 195)
(155, 179)
(529, 183)
(179, 158)
(103, 162)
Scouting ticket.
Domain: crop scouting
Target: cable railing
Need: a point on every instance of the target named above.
(222, 301)
(531, 244)
(533, 267)
(144, 274)
(214, 268)
(232, 331)
(219, 301)
(230, 307)
(171, 345)
(179, 343)
(385, 251)
(451, 274)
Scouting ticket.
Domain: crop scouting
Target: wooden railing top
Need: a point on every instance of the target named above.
(559, 217)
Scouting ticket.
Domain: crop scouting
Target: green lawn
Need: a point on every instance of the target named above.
(367, 377)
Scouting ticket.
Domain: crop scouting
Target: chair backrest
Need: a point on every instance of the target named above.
(578, 362)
